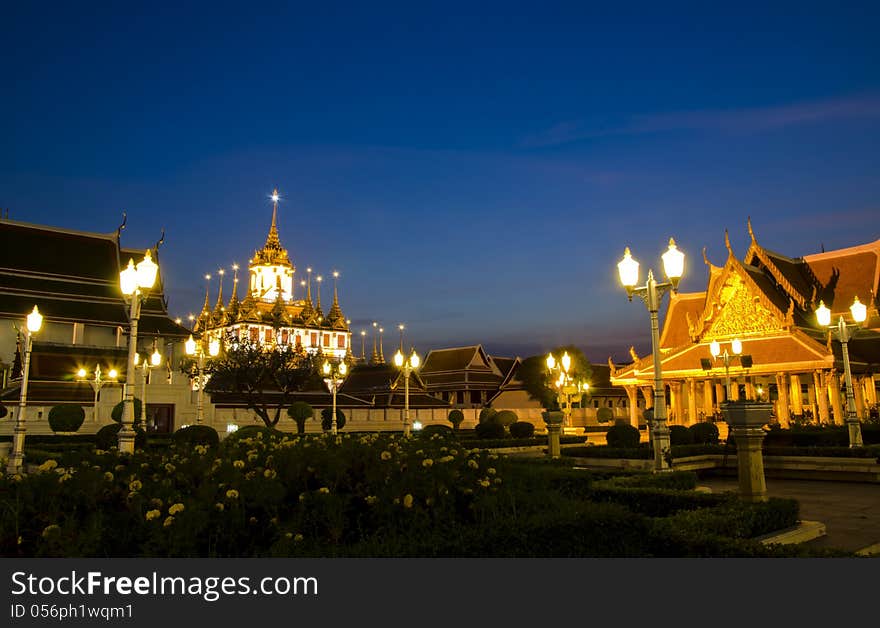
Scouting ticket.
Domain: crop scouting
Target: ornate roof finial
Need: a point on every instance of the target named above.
(751, 233)
(633, 354)
(272, 252)
(706, 259)
(727, 242)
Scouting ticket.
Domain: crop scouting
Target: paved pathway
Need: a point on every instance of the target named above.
(849, 510)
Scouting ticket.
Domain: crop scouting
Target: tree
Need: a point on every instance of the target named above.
(265, 376)
(300, 411)
(537, 380)
(456, 417)
(327, 419)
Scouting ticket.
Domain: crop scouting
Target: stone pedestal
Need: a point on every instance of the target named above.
(554, 427)
(746, 420)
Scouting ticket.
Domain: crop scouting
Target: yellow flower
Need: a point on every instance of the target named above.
(385, 455)
(108, 476)
(168, 521)
(445, 459)
(371, 499)
(252, 457)
(484, 483)
(297, 538)
(48, 465)
(51, 529)
(169, 467)
(153, 514)
(219, 506)
(324, 490)
(269, 473)
(64, 477)
(473, 464)
(200, 449)
(427, 462)
(232, 494)
(407, 501)
(176, 508)
(491, 471)
(288, 535)
(238, 464)
(135, 485)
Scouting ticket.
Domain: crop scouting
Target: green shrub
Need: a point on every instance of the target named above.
(300, 411)
(680, 435)
(107, 437)
(456, 417)
(506, 418)
(116, 413)
(196, 435)
(604, 415)
(327, 419)
(704, 433)
(486, 415)
(252, 431)
(67, 417)
(436, 428)
(490, 429)
(522, 429)
(622, 435)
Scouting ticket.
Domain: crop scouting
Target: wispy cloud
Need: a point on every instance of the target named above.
(744, 120)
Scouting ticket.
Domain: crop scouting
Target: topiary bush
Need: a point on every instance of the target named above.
(107, 437)
(436, 429)
(486, 414)
(327, 419)
(604, 415)
(680, 435)
(300, 411)
(67, 417)
(116, 413)
(622, 434)
(506, 418)
(522, 429)
(489, 429)
(704, 433)
(196, 435)
(456, 417)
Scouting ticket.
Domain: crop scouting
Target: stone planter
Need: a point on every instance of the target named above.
(554, 420)
(746, 413)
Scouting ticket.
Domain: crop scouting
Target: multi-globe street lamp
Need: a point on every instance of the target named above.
(563, 381)
(844, 332)
(727, 357)
(145, 364)
(652, 293)
(199, 349)
(407, 365)
(97, 382)
(135, 284)
(334, 374)
(16, 458)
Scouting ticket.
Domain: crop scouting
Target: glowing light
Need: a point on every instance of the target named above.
(737, 346)
(231, 427)
(146, 271)
(190, 345)
(715, 348)
(128, 279)
(673, 262)
(823, 314)
(859, 311)
(113, 374)
(34, 321)
(628, 269)
(81, 373)
(417, 425)
(156, 358)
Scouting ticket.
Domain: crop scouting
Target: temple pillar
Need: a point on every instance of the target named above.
(708, 402)
(821, 397)
(692, 402)
(720, 394)
(632, 394)
(858, 390)
(648, 395)
(734, 389)
(870, 390)
(797, 397)
(783, 414)
(678, 403)
(836, 398)
(672, 415)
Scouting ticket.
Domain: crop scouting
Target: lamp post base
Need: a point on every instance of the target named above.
(662, 447)
(746, 419)
(16, 456)
(126, 440)
(854, 429)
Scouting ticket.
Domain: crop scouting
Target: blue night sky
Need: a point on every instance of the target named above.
(473, 171)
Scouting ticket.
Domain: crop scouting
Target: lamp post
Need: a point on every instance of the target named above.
(334, 375)
(145, 364)
(652, 293)
(197, 349)
(135, 284)
(844, 333)
(407, 365)
(726, 357)
(16, 458)
(97, 383)
(564, 383)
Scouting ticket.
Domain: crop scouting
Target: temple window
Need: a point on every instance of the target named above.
(340, 341)
(255, 334)
(285, 336)
(314, 339)
(326, 340)
(268, 335)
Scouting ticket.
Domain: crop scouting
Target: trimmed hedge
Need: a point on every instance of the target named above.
(327, 419)
(107, 437)
(506, 418)
(486, 415)
(255, 431)
(300, 412)
(67, 417)
(489, 429)
(196, 435)
(704, 433)
(622, 435)
(604, 414)
(456, 417)
(436, 429)
(680, 435)
(116, 413)
(522, 429)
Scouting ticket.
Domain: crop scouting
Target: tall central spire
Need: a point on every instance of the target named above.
(272, 252)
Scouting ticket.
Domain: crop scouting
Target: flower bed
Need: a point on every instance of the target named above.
(350, 495)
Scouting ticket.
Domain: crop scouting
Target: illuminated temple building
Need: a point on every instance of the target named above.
(767, 301)
(270, 311)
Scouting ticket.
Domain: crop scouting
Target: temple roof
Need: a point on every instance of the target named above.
(272, 252)
(74, 278)
(471, 358)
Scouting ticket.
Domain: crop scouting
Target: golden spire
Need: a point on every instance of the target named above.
(207, 306)
(335, 316)
(232, 308)
(320, 313)
(363, 346)
(272, 252)
(381, 354)
(219, 305)
(401, 327)
(374, 358)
